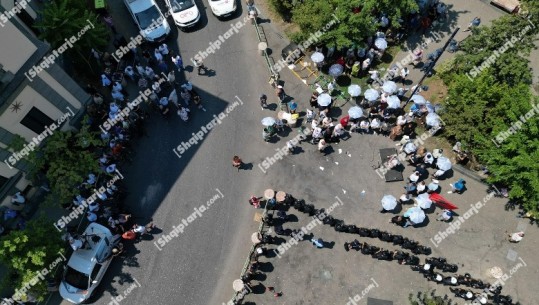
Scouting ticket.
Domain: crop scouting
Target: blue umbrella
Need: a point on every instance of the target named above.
(371, 95)
(336, 70)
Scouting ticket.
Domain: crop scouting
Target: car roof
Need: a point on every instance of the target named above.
(139, 5)
(84, 260)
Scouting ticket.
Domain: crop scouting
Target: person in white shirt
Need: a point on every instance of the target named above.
(414, 177)
(444, 215)
(163, 49)
(117, 95)
(149, 73)
(158, 56)
(516, 237)
(364, 126)
(18, 199)
(75, 244)
(117, 86)
(91, 216)
(140, 70)
(130, 72)
(403, 74)
(421, 186)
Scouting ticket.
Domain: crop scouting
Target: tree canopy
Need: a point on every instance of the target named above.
(496, 119)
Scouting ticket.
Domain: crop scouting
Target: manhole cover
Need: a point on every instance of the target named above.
(512, 255)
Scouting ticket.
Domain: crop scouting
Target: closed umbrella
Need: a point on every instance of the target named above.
(317, 57)
(418, 99)
(355, 112)
(268, 121)
(423, 201)
(443, 163)
(389, 87)
(372, 95)
(393, 102)
(336, 70)
(354, 90)
(381, 43)
(415, 214)
(324, 99)
(433, 119)
(389, 202)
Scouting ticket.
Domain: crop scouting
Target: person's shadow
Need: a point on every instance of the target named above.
(246, 166)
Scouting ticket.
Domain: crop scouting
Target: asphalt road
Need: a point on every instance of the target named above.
(202, 262)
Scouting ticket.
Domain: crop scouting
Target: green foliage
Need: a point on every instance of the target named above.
(282, 7)
(30, 251)
(345, 23)
(63, 19)
(424, 299)
(67, 158)
(17, 144)
(494, 101)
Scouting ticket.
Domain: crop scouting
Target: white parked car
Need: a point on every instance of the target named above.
(222, 8)
(153, 26)
(184, 12)
(87, 265)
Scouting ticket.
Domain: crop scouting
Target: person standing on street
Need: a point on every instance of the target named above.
(200, 66)
(177, 60)
(263, 101)
(236, 162)
(108, 21)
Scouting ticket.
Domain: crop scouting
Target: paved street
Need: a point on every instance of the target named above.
(198, 267)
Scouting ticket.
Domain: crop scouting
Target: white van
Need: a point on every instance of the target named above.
(153, 26)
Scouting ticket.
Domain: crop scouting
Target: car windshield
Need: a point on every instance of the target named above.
(76, 279)
(145, 18)
(179, 5)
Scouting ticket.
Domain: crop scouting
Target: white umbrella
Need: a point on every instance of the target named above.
(389, 87)
(375, 123)
(432, 119)
(324, 99)
(423, 201)
(354, 90)
(336, 70)
(238, 285)
(268, 121)
(433, 186)
(418, 99)
(371, 95)
(409, 148)
(317, 57)
(415, 214)
(381, 43)
(443, 163)
(389, 202)
(355, 112)
(393, 102)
